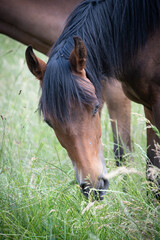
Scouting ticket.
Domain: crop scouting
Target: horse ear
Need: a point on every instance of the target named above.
(35, 64)
(78, 55)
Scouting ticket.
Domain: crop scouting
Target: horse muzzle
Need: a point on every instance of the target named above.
(97, 192)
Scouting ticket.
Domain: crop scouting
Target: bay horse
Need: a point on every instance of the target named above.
(21, 20)
(102, 39)
(35, 22)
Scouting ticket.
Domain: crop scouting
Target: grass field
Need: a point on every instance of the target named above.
(39, 198)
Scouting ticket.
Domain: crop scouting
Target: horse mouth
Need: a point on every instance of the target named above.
(97, 193)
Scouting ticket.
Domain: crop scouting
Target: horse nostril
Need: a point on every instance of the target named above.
(104, 184)
(101, 184)
(84, 186)
(85, 189)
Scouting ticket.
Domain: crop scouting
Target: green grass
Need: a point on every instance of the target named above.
(38, 195)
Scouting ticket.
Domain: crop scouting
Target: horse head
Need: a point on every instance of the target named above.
(80, 135)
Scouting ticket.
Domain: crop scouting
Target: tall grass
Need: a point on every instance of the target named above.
(39, 198)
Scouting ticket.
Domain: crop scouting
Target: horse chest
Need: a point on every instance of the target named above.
(139, 96)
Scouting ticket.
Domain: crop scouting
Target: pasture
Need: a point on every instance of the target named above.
(39, 198)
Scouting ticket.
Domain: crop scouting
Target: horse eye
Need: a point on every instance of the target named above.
(95, 110)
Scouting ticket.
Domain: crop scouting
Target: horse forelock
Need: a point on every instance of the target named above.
(113, 31)
(61, 89)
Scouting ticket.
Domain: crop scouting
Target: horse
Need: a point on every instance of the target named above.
(102, 40)
(20, 20)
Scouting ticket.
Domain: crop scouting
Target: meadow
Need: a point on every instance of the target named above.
(39, 197)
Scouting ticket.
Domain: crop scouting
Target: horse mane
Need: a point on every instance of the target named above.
(113, 31)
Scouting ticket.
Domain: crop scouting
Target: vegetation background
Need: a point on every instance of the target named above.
(39, 198)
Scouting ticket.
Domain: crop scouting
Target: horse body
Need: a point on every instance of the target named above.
(144, 87)
(145, 66)
(115, 40)
(35, 22)
(39, 24)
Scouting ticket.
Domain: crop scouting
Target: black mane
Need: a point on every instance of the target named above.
(113, 31)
